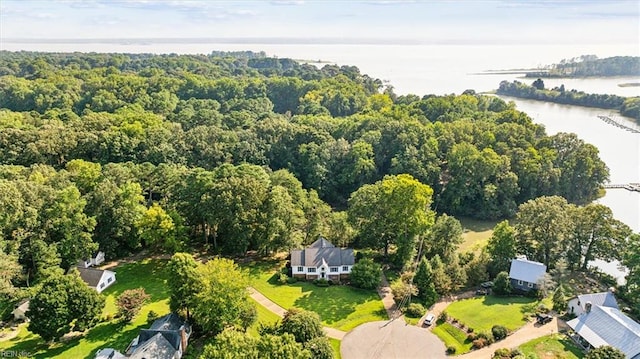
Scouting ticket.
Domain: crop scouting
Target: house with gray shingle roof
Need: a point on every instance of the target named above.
(578, 304)
(524, 274)
(167, 338)
(599, 326)
(322, 260)
(97, 279)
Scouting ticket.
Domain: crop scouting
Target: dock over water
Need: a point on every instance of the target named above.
(611, 121)
(633, 187)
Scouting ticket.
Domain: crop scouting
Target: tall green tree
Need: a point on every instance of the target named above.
(392, 211)
(302, 324)
(157, 230)
(63, 302)
(232, 344)
(596, 235)
(424, 282)
(502, 247)
(543, 225)
(443, 238)
(184, 282)
(605, 352)
(222, 299)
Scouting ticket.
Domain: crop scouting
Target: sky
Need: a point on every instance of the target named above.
(522, 21)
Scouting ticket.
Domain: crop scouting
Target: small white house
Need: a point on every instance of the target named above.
(20, 312)
(322, 260)
(93, 261)
(579, 304)
(97, 278)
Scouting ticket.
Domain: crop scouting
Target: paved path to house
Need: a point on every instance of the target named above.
(384, 291)
(278, 310)
(530, 331)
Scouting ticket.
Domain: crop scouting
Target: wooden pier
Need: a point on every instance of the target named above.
(611, 121)
(633, 187)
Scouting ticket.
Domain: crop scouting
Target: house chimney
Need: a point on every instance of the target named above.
(587, 307)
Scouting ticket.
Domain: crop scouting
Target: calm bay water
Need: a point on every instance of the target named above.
(444, 69)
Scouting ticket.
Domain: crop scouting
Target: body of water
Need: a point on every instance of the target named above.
(444, 69)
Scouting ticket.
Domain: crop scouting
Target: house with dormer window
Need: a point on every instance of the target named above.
(322, 260)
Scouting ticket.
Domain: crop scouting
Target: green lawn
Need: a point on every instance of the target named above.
(335, 344)
(265, 316)
(482, 313)
(341, 307)
(476, 234)
(453, 337)
(551, 346)
(148, 274)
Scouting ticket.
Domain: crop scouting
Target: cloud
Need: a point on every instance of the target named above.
(390, 2)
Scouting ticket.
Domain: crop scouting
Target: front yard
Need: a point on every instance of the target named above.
(339, 306)
(148, 274)
(551, 346)
(482, 313)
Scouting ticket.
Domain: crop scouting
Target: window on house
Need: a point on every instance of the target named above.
(345, 268)
(311, 270)
(333, 269)
(519, 282)
(109, 280)
(101, 285)
(530, 285)
(300, 269)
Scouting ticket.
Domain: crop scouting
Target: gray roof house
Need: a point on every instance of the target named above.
(524, 274)
(109, 353)
(97, 279)
(167, 338)
(322, 260)
(578, 305)
(600, 325)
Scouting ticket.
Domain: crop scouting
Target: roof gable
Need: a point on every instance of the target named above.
(170, 321)
(609, 326)
(605, 299)
(156, 347)
(92, 276)
(321, 242)
(526, 271)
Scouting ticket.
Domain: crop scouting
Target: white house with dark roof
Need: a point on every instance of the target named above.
(94, 260)
(599, 326)
(524, 274)
(578, 304)
(322, 260)
(97, 279)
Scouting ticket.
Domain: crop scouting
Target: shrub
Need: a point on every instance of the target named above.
(502, 353)
(486, 336)
(321, 282)
(152, 316)
(479, 343)
(443, 317)
(415, 310)
(471, 336)
(283, 278)
(469, 330)
(292, 280)
(499, 332)
(501, 284)
(451, 349)
(366, 274)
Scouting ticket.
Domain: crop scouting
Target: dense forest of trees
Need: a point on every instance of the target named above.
(245, 152)
(629, 107)
(592, 66)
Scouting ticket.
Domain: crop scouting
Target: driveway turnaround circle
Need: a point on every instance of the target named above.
(391, 340)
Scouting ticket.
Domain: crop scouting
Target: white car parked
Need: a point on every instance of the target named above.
(429, 320)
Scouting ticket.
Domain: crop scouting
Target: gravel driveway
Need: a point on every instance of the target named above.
(377, 340)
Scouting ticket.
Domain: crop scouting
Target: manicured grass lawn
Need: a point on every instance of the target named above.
(453, 337)
(341, 307)
(482, 313)
(335, 344)
(551, 346)
(476, 234)
(265, 316)
(148, 274)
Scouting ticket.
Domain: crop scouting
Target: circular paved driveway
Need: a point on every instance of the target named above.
(391, 340)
